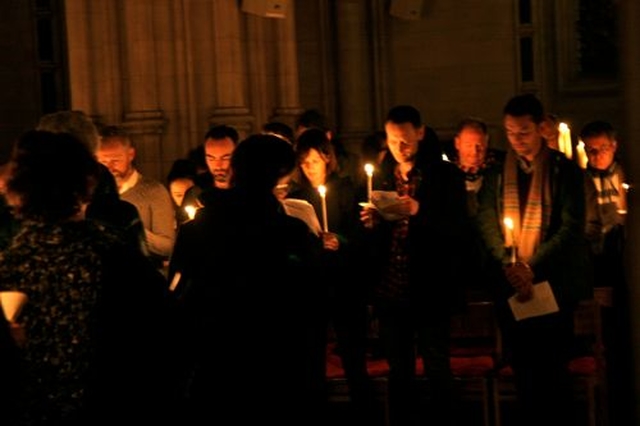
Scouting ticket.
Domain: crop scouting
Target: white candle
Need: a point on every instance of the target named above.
(191, 211)
(564, 144)
(368, 168)
(323, 195)
(581, 154)
(508, 222)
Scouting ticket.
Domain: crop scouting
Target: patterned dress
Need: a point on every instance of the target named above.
(59, 267)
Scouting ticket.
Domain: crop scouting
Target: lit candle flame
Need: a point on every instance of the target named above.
(564, 144)
(445, 157)
(191, 211)
(322, 190)
(508, 222)
(582, 154)
(368, 168)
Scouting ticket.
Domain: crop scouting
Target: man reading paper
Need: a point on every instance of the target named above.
(542, 192)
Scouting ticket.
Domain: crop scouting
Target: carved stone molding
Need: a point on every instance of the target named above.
(145, 122)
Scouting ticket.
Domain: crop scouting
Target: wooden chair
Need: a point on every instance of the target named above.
(588, 368)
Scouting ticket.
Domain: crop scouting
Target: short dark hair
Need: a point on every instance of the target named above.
(597, 128)
(222, 131)
(401, 114)
(472, 123)
(312, 118)
(115, 132)
(279, 128)
(260, 161)
(52, 174)
(525, 104)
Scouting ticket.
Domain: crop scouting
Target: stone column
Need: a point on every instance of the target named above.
(230, 73)
(288, 93)
(356, 100)
(79, 54)
(630, 61)
(143, 116)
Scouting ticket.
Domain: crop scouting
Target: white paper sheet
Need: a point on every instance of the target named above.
(543, 302)
(303, 210)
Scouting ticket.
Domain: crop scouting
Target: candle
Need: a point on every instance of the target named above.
(191, 211)
(323, 195)
(564, 143)
(581, 154)
(368, 168)
(508, 222)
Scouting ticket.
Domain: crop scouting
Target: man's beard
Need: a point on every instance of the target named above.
(220, 176)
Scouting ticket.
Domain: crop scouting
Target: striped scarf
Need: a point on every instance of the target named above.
(608, 185)
(528, 231)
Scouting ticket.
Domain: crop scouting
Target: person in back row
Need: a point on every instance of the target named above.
(219, 143)
(106, 205)
(150, 197)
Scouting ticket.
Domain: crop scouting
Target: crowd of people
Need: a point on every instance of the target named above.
(200, 298)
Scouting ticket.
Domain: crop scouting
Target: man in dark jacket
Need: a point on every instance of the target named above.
(415, 243)
(542, 193)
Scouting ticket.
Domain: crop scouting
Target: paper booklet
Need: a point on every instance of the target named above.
(543, 302)
(383, 200)
(303, 210)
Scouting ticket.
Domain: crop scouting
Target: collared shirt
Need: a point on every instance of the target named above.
(395, 285)
(130, 182)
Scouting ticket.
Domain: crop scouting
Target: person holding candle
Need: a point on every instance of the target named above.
(542, 192)
(343, 303)
(606, 179)
(416, 260)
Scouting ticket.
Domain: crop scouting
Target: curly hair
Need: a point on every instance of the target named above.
(51, 176)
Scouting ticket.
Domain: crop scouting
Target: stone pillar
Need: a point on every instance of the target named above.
(630, 61)
(288, 94)
(230, 73)
(356, 98)
(143, 116)
(79, 54)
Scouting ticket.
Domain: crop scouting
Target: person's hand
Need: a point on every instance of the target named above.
(520, 276)
(405, 206)
(369, 216)
(330, 241)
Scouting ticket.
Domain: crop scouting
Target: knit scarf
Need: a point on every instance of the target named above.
(529, 230)
(608, 185)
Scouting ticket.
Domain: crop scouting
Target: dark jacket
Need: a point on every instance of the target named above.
(562, 257)
(245, 266)
(436, 232)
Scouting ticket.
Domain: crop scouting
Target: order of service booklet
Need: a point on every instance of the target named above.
(543, 302)
(303, 210)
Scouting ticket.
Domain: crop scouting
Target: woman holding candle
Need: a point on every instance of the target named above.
(344, 300)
